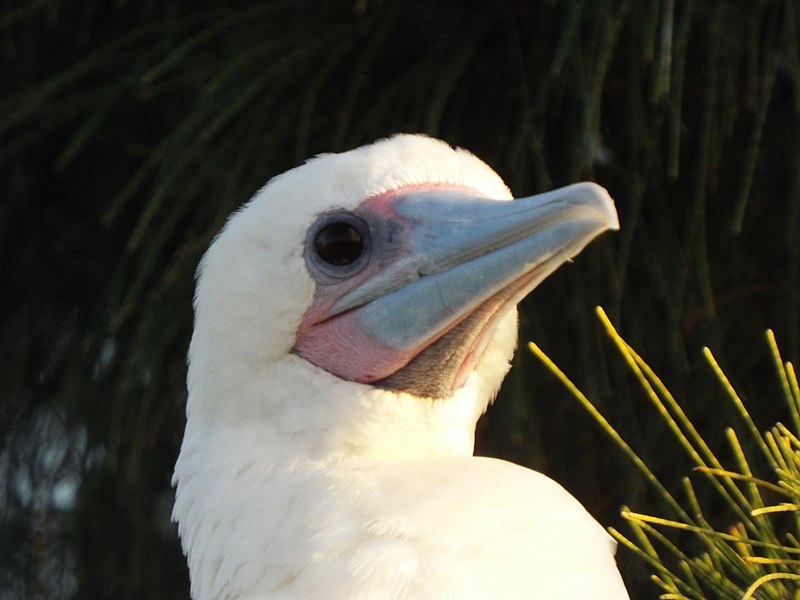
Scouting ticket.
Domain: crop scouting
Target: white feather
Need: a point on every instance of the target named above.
(292, 483)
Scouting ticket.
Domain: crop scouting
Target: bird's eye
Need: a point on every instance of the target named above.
(339, 243)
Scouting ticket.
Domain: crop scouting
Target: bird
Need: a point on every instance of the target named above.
(353, 320)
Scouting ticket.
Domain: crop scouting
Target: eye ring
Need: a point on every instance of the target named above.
(338, 245)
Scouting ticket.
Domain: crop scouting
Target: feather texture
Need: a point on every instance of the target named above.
(295, 483)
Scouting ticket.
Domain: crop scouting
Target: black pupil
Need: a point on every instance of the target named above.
(339, 244)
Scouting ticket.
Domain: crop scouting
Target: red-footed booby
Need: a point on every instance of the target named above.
(352, 323)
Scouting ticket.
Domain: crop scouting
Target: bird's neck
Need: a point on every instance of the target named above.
(303, 412)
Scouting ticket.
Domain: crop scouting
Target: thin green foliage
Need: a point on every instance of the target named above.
(758, 555)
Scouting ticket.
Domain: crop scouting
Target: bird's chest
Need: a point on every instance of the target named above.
(385, 531)
(354, 533)
(458, 528)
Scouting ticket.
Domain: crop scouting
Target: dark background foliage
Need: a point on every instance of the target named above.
(129, 130)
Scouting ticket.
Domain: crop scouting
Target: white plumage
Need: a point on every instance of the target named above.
(305, 474)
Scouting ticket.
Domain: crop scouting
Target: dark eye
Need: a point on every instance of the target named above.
(339, 244)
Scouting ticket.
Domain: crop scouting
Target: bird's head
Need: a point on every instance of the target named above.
(373, 286)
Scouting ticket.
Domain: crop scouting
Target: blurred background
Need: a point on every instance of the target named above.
(130, 130)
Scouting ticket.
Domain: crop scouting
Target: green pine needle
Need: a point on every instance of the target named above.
(758, 555)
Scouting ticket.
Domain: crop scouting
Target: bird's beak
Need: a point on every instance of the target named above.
(440, 255)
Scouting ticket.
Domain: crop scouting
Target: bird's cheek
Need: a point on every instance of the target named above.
(341, 346)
